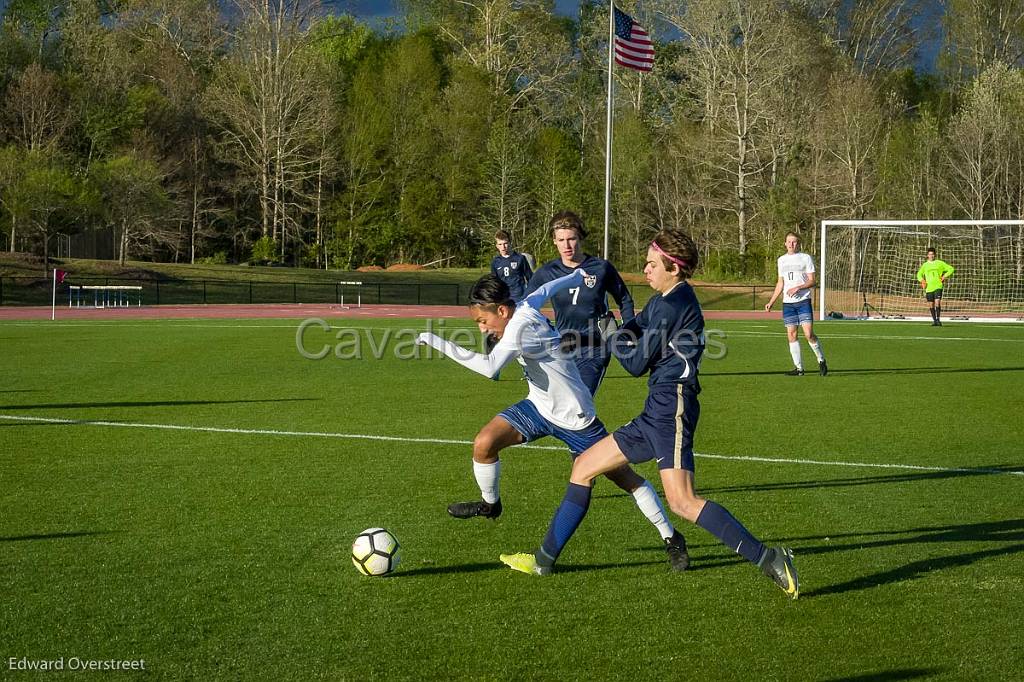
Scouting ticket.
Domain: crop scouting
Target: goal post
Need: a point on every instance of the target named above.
(868, 268)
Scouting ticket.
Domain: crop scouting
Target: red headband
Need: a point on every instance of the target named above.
(681, 263)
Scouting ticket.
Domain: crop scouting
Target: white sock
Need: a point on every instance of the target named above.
(816, 347)
(650, 504)
(794, 350)
(487, 476)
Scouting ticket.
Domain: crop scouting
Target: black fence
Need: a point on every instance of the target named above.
(35, 291)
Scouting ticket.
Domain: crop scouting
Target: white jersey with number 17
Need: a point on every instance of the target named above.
(793, 269)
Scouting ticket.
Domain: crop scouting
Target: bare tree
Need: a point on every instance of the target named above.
(273, 109)
(983, 151)
(849, 131)
(875, 35)
(36, 109)
(178, 42)
(981, 32)
(519, 43)
(739, 56)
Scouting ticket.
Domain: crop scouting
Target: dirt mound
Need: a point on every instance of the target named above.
(369, 268)
(404, 267)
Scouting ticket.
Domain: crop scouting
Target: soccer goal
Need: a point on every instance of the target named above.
(868, 269)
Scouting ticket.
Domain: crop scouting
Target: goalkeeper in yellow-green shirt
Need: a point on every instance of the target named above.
(932, 273)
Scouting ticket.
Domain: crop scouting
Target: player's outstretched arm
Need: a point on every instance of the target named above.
(487, 365)
(549, 289)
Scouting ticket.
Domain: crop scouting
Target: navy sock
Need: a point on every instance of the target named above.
(565, 522)
(717, 520)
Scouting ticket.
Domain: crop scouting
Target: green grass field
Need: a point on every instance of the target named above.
(224, 553)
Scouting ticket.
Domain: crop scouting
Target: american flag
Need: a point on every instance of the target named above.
(633, 48)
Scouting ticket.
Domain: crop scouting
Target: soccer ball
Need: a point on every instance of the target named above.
(375, 552)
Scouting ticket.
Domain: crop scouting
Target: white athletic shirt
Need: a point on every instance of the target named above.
(556, 389)
(793, 269)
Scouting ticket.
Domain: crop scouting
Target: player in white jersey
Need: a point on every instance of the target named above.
(558, 404)
(796, 281)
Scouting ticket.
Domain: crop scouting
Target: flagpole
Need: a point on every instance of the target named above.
(608, 131)
(53, 303)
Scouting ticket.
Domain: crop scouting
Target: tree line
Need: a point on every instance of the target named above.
(276, 130)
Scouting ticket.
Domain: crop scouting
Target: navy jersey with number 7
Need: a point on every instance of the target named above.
(578, 309)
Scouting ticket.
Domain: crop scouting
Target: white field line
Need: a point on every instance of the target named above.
(876, 337)
(447, 326)
(199, 325)
(446, 441)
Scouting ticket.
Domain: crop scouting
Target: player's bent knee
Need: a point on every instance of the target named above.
(484, 450)
(625, 478)
(686, 507)
(582, 474)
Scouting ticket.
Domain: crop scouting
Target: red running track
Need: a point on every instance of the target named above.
(285, 310)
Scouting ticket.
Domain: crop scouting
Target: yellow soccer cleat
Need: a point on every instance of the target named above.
(524, 562)
(777, 564)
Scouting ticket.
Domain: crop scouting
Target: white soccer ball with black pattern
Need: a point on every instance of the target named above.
(375, 552)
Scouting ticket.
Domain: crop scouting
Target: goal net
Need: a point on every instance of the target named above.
(868, 269)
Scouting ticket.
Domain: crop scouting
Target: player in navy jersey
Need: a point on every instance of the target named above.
(667, 340)
(558, 404)
(581, 312)
(510, 267)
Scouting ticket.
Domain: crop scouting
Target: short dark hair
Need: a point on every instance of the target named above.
(502, 235)
(567, 220)
(931, 249)
(489, 292)
(679, 246)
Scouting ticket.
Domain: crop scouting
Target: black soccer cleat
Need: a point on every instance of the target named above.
(675, 547)
(777, 564)
(823, 368)
(795, 372)
(467, 510)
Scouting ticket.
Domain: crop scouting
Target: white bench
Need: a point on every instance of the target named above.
(104, 296)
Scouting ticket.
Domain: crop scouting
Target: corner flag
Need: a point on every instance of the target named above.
(58, 278)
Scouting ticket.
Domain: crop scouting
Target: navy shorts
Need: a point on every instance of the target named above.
(524, 418)
(664, 430)
(795, 314)
(933, 295)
